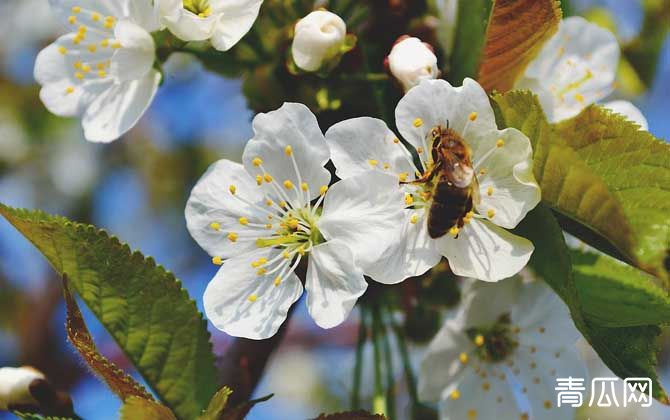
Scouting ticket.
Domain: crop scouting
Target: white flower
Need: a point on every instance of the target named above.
(15, 385)
(102, 70)
(501, 163)
(500, 356)
(260, 221)
(412, 61)
(223, 22)
(319, 38)
(576, 68)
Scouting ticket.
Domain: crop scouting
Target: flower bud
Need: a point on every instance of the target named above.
(319, 40)
(412, 61)
(15, 386)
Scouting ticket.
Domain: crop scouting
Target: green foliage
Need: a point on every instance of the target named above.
(469, 39)
(217, 405)
(606, 179)
(142, 306)
(629, 351)
(137, 408)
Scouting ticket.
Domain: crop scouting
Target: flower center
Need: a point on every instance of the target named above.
(297, 232)
(201, 8)
(496, 342)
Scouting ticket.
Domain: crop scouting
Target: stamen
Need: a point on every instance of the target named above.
(418, 122)
(288, 184)
(288, 150)
(215, 226)
(232, 189)
(232, 237)
(500, 143)
(252, 298)
(257, 161)
(491, 213)
(403, 176)
(217, 261)
(373, 162)
(455, 394)
(489, 191)
(463, 357)
(472, 116)
(479, 340)
(244, 221)
(414, 219)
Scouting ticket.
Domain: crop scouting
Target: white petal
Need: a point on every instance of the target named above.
(291, 125)
(508, 186)
(365, 212)
(412, 61)
(183, 23)
(436, 102)
(440, 367)
(629, 111)
(63, 8)
(238, 16)
(116, 111)
(15, 385)
(485, 251)
(360, 144)
(574, 69)
(212, 202)
(484, 303)
(334, 283)
(228, 297)
(136, 58)
(318, 38)
(144, 14)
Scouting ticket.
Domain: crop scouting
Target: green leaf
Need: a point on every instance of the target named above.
(142, 306)
(628, 352)
(469, 39)
(137, 408)
(217, 404)
(606, 179)
(604, 283)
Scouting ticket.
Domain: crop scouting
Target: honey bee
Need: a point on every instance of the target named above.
(455, 189)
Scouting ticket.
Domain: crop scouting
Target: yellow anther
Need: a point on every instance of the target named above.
(373, 162)
(304, 186)
(293, 223)
(93, 48)
(77, 65)
(259, 179)
(403, 176)
(104, 43)
(277, 281)
(215, 226)
(288, 184)
(472, 116)
(489, 191)
(479, 340)
(491, 213)
(116, 45)
(486, 386)
(414, 219)
(409, 199)
(76, 9)
(267, 178)
(323, 189)
(420, 150)
(232, 189)
(454, 231)
(86, 68)
(472, 414)
(301, 250)
(217, 261)
(288, 150)
(101, 66)
(386, 166)
(579, 97)
(396, 140)
(286, 255)
(500, 143)
(418, 122)
(102, 74)
(62, 50)
(95, 16)
(244, 221)
(79, 75)
(77, 40)
(283, 204)
(257, 161)
(455, 394)
(252, 298)
(69, 90)
(463, 357)
(268, 226)
(109, 22)
(261, 271)
(232, 237)
(72, 20)
(482, 172)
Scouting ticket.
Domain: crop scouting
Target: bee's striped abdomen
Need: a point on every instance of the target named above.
(450, 204)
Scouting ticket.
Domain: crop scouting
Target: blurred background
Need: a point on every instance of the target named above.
(136, 189)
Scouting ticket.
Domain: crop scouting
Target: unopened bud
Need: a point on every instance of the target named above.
(412, 61)
(319, 39)
(15, 386)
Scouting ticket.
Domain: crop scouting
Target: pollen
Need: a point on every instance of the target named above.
(244, 221)
(232, 237)
(482, 172)
(109, 22)
(472, 116)
(277, 281)
(252, 298)
(579, 97)
(69, 90)
(479, 340)
(93, 48)
(217, 261)
(76, 9)
(79, 75)
(500, 143)
(269, 202)
(62, 50)
(257, 161)
(323, 189)
(454, 231)
(409, 199)
(77, 64)
(288, 150)
(304, 186)
(283, 204)
(301, 250)
(491, 213)
(102, 74)
(420, 150)
(259, 179)
(387, 166)
(414, 219)
(418, 122)
(403, 176)
(373, 162)
(261, 271)
(472, 414)
(85, 68)
(72, 20)
(232, 189)
(268, 226)
(293, 223)
(455, 394)
(116, 45)
(463, 357)
(396, 140)
(267, 178)
(288, 184)
(95, 16)
(489, 191)
(215, 226)
(286, 255)
(104, 43)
